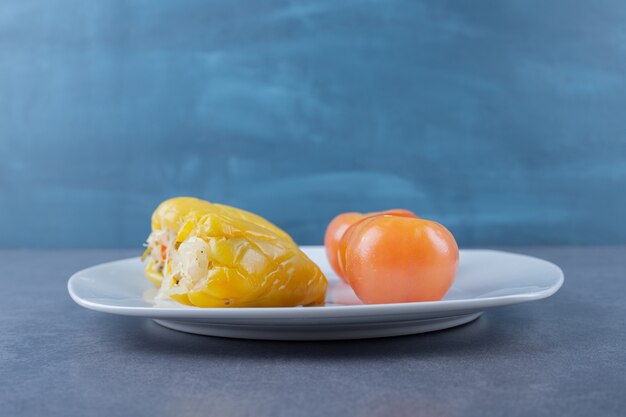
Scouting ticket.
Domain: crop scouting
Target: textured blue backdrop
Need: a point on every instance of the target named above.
(505, 120)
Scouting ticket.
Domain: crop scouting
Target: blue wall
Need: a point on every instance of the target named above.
(505, 120)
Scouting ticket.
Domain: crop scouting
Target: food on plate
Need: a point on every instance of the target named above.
(396, 259)
(391, 259)
(335, 230)
(166, 222)
(221, 256)
(224, 261)
(338, 227)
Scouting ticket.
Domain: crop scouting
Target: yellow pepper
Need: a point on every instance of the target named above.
(215, 255)
(167, 220)
(170, 214)
(226, 261)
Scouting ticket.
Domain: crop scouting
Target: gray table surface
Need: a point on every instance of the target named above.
(561, 356)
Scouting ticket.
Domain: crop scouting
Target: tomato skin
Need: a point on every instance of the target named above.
(392, 259)
(341, 246)
(335, 230)
(394, 212)
(338, 227)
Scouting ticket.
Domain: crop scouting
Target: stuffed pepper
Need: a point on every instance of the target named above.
(167, 220)
(224, 260)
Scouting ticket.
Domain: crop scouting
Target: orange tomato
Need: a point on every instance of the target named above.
(335, 230)
(394, 212)
(393, 259)
(338, 226)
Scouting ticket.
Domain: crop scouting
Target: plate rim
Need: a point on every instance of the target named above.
(321, 312)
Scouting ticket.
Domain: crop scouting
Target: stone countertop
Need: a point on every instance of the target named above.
(565, 355)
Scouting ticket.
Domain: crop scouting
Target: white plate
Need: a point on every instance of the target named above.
(486, 279)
